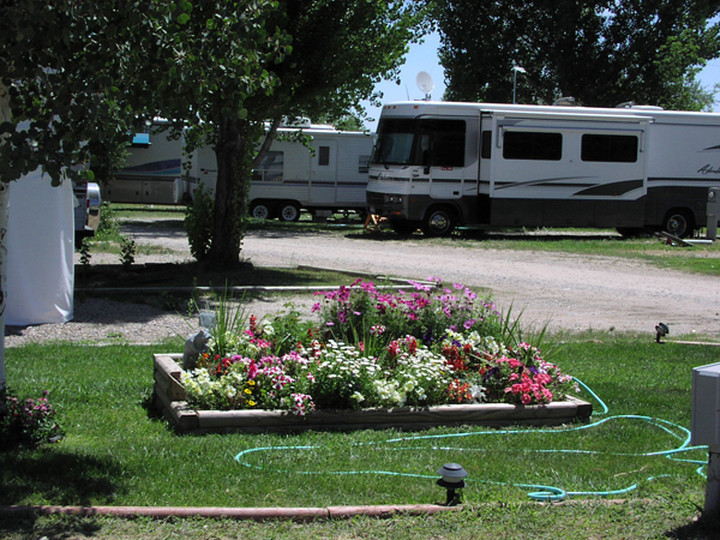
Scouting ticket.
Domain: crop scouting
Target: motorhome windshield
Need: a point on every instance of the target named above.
(420, 141)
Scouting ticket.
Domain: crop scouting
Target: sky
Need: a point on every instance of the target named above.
(423, 57)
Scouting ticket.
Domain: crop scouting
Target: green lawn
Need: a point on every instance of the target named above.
(116, 452)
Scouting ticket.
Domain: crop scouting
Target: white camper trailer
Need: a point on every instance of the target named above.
(327, 174)
(438, 165)
(153, 173)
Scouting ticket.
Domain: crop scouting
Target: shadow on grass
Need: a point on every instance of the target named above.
(27, 526)
(702, 528)
(384, 235)
(194, 274)
(60, 478)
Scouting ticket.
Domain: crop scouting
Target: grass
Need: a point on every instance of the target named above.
(117, 452)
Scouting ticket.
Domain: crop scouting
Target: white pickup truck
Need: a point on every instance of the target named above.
(87, 209)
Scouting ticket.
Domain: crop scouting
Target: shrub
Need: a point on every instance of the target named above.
(28, 422)
(199, 222)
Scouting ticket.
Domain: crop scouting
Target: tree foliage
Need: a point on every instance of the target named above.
(62, 65)
(601, 52)
(228, 68)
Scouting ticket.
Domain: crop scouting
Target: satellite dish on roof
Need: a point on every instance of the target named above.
(425, 83)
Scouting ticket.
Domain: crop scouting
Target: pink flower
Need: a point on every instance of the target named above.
(252, 369)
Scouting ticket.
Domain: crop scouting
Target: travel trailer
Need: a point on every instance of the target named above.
(153, 172)
(327, 173)
(439, 165)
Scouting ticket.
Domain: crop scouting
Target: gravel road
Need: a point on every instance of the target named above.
(562, 291)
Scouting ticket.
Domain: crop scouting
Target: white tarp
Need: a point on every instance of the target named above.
(40, 248)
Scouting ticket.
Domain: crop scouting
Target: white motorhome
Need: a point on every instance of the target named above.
(327, 174)
(437, 165)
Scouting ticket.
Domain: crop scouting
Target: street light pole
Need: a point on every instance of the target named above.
(516, 70)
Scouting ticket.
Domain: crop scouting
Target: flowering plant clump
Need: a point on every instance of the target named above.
(513, 375)
(430, 346)
(426, 312)
(28, 422)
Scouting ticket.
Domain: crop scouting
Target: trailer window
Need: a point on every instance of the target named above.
(324, 156)
(609, 148)
(363, 164)
(270, 169)
(532, 145)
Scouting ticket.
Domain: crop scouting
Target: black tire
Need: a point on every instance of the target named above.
(438, 222)
(402, 227)
(630, 232)
(261, 210)
(289, 211)
(679, 222)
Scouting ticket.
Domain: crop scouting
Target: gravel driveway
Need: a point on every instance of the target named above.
(563, 291)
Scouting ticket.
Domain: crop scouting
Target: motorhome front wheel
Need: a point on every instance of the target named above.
(439, 222)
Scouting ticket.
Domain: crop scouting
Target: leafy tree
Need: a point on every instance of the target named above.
(63, 97)
(232, 71)
(601, 52)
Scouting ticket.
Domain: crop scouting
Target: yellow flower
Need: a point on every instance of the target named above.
(250, 383)
(248, 391)
(251, 403)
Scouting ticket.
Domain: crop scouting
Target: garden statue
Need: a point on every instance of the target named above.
(195, 344)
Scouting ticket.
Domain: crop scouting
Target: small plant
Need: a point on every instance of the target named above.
(108, 228)
(28, 422)
(199, 223)
(84, 251)
(127, 251)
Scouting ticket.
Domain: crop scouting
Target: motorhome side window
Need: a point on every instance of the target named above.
(441, 143)
(270, 169)
(324, 156)
(533, 145)
(609, 148)
(363, 164)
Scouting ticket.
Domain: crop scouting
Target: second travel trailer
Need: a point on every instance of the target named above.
(328, 173)
(439, 165)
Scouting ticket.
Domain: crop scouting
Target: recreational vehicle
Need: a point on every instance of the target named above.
(438, 165)
(153, 172)
(327, 175)
(325, 172)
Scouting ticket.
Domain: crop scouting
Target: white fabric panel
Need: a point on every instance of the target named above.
(40, 248)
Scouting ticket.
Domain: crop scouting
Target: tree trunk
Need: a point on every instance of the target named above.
(234, 152)
(3, 273)
(5, 116)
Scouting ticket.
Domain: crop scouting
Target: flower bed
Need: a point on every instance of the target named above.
(170, 399)
(373, 359)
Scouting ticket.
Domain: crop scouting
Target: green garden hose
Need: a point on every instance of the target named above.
(539, 492)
